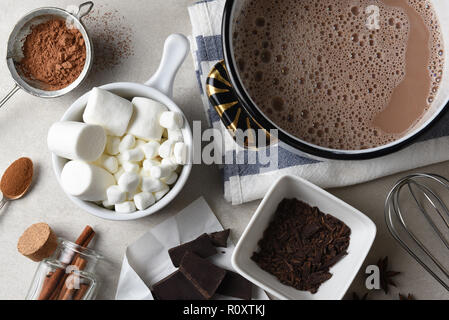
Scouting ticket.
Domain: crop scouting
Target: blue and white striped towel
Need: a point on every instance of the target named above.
(245, 183)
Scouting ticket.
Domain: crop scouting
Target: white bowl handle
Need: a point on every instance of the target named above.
(176, 48)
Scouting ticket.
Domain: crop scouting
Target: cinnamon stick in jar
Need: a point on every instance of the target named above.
(68, 289)
(80, 293)
(85, 237)
(52, 288)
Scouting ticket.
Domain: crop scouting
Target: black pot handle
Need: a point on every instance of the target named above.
(229, 108)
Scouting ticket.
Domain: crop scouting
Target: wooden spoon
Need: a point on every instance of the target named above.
(16, 180)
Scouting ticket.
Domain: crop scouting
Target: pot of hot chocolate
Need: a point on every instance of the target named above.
(346, 80)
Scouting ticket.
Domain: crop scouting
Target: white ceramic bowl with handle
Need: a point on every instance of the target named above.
(159, 88)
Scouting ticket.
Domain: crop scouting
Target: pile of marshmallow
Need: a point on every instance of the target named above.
(124, 156)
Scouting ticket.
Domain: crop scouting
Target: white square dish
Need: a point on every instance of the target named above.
(363, 232)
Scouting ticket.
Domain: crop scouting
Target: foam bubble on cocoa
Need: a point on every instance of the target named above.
(320, 73)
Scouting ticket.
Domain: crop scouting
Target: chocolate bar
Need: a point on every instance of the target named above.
(202, 246)
(234, 285)
(205, 276)
(220, 238)
(176, 287)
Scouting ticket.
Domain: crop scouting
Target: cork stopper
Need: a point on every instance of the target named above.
(37, 242)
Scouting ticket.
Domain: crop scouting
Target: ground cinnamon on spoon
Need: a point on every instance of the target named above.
(17, 178)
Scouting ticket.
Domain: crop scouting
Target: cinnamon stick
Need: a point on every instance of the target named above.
(51, 289)
(85, 237)
(49, 286)
(47, 278)
(66, 293)
(79, 294)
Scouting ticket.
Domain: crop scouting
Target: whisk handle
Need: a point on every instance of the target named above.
(9, 95)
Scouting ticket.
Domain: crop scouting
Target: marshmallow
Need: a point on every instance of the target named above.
(127, 143)
(144, 173)
(144, 123)
(144, 200)
(175, 135)
(161, 171)
(149, 163)
(150, 184)
(115, 195)
(130, 167)
(131, 195)
(86, 181)
(76, 140)
(133, 155)
(159, 194)
(121, 159)
(108, 110)
(151, 149)
(107, 204)
(169, 162)
(166, 148)
(140, 143)
(119, 173)
(171, 179)
(112, 145)
(180, 153)
(109, 163)
(171, 120)
(128, 181)
(125, 207)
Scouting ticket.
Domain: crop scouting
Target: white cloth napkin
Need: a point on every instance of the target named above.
(146, 261)
(243, 183)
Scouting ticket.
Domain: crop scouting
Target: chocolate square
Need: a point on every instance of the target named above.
(220, 238)
(202, 246)
(234, 285)
(176, 287)
(205, 276)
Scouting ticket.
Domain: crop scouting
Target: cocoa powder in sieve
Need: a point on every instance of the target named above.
(53, 54)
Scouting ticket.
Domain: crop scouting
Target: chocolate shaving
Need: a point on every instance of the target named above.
(301, 244)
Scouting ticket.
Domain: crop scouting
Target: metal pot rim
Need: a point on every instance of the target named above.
(296, 143)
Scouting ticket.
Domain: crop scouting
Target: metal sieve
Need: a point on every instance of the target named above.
(15, 52)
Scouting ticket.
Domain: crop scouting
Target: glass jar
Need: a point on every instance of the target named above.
(69, 274)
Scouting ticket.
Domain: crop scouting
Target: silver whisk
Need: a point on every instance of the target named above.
(426, 213)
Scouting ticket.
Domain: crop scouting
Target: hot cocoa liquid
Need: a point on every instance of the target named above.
(340, 74)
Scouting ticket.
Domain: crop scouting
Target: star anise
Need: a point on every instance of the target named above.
(355, 296)
(386, 275)
(408, 297)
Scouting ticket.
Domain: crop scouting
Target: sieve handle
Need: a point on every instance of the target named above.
(84, 9)
(2, 201)
(176, 48)
(9, 95)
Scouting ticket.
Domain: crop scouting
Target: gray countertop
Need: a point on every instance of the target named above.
(24, 122)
